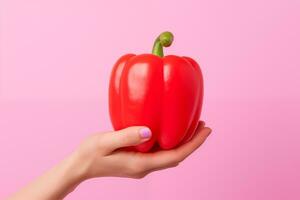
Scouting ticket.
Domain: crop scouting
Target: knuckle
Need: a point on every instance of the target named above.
(175, 165)
(101, 143)
(129, 138)
(100, 139)
(179, 156)
(136, 167)
(125, 139)
(139, 176)
(178, 159)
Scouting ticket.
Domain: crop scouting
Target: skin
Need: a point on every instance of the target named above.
(101, 155)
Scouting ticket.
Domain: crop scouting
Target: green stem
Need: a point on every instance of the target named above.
(165, 39)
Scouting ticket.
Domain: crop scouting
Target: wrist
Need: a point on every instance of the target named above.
(77, 168)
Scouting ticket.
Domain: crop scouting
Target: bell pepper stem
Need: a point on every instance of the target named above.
(165, 39)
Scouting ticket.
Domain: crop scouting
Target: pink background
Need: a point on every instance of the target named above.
(56, 58)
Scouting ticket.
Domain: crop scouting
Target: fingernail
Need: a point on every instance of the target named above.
(145, 132)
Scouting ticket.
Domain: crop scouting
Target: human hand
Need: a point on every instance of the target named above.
(102, 155)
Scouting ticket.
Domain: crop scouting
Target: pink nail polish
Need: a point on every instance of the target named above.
(145, 132)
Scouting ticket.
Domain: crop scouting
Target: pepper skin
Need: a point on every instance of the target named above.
(164, 93)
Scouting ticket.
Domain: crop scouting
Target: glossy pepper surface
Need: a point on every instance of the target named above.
(164, 93)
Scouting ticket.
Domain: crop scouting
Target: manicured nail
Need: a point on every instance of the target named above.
(145, 132)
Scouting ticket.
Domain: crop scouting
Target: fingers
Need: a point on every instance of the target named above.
(186, 149)
(137, 165)
(165, 159)
(130, 136)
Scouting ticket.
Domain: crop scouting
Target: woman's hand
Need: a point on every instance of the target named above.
(100, 154)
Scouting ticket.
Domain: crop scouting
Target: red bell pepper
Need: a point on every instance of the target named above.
(164, 93)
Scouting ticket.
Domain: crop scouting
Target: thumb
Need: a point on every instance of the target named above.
(130, 136)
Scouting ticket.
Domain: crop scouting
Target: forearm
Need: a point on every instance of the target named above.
(100, 155)
(56, 183)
